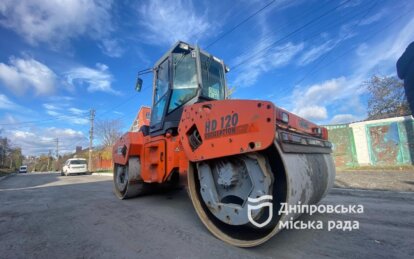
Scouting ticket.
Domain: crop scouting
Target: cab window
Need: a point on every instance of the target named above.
(212, 75)
(184, 80)
(161, 89)
(162, 81)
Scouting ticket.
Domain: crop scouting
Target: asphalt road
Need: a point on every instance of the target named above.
(45, 215)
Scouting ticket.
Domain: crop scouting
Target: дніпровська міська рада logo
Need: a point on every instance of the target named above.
(258, 203)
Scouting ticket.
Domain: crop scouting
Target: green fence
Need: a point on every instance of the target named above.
(342, 138)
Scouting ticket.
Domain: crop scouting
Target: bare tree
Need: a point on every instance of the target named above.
(387, 98)
(5, 150)
(230, 91)
(108, 131)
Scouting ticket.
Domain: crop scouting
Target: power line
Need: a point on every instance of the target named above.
(37, 121)
(118, 105)
(289, 35)
(239, 24)
(60, 117)
(66, 116)
(352, 48)
(318, 33)
(287, 25)
(122, 104)
(365, 12)
(324, 56)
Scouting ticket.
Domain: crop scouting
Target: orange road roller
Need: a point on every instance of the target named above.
(240, 160)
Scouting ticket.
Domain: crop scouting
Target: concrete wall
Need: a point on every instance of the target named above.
(377, 142)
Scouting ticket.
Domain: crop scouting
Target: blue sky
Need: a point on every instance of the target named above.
(59, 59)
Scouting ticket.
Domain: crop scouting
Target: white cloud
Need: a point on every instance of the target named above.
(311, 102)
(112, 48)
(63, 113)
(272, 58)
(166, 22)
(9, 119)
(343, 118)
(350, 4)
(362, 49)
(61, 99)
(99, 79)
(383, 54)
(49, 106)
(77, 111)
(53, 22)
(373, 18)
(312, 112)
(7, 104)
(53, 113)
(118, 113)
(36, 141)
(319, 93)
(315, 52)
(22, 74)
(344, 92)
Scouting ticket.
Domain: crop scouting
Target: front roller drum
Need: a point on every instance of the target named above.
(237, 231)
(299, 178)
(127, 180)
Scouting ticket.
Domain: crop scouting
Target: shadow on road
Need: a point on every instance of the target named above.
(29, 180)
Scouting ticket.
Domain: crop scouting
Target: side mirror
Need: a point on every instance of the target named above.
(138, 85)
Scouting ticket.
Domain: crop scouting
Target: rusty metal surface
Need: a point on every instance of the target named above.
(384, 144)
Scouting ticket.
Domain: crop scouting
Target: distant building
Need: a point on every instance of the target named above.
(143, 118)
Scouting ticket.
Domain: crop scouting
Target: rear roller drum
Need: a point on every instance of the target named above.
(127, 179)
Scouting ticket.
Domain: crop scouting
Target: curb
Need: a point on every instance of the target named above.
(6, 176)
(103, 174)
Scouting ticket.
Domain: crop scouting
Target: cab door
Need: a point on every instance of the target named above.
(161, 96)
(153, 165)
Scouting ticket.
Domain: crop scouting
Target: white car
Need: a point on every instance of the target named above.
(75, 166)
(23, 169)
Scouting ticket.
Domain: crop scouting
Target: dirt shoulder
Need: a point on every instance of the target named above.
(391, 180)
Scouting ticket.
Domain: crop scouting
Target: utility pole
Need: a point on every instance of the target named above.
(57, 154)
(91, 118)
(48, 159)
